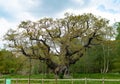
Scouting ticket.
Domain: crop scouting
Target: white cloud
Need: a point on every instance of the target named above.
(4, 27)
(10, 4)
(18, 5)
(25, 16)
(112, 17)
(108, 4)
(113, 5)
(92, 7)
(20, 9)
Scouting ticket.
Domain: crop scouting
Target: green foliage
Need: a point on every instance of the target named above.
(96, 59)
(116, 61)
(7, 61)
(10, 63)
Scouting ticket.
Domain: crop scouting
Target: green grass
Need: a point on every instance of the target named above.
(74, 76)
(98, 76)
(40, 76)
(78, 75)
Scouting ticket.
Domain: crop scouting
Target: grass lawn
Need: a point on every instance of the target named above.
(98, 76)
(52, 76)
(70, 81)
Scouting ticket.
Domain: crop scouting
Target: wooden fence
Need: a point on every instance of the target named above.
(58, 81)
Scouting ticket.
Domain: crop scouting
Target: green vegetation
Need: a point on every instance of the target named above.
(76, 76)
(76, 46)
(9, 63)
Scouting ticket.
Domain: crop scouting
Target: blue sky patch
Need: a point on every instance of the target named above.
(103, 9)
(5, 14)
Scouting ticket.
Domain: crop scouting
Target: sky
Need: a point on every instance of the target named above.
(12, 12)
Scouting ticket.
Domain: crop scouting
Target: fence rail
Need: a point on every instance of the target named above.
(62, 81)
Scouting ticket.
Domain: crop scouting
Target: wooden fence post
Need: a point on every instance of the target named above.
(72, 80)
(16, 81)
(56, 79)
(28, 80)
(5, 81)
(85, 80)
(42, 81)
(103, 81)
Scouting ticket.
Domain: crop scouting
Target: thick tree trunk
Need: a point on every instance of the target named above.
(61, 71)
(58, 69)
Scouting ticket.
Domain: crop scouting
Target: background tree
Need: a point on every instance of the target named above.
(9, 63)
(116, 62)
(97, 59)
(60, 42)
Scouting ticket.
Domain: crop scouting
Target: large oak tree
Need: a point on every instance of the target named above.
(58, 42)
